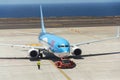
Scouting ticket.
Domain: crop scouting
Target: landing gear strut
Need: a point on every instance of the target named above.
(40, 54)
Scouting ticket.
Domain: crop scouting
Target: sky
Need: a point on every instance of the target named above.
(52, 1)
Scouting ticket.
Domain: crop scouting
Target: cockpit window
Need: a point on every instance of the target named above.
(66, 45)
(63, 46)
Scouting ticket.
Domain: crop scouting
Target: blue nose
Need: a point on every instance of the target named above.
(66, 50)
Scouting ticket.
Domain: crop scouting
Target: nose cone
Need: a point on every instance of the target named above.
(67, 50)
(63, 52)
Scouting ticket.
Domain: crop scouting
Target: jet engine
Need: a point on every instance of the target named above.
(33, 53)
(76, 51)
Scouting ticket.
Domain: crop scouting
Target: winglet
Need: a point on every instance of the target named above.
(42, 21)
(118, 32)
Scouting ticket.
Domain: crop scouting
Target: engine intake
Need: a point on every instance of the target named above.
(76, 51)
(33, 53)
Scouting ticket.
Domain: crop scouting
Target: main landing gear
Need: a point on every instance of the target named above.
(40, 54)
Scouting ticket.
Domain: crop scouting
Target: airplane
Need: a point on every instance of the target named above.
(59, 46)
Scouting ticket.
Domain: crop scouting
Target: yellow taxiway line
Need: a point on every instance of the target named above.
(34, 44)
(62, 72)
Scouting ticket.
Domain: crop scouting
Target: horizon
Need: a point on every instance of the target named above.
(61, 3)
(53, 1)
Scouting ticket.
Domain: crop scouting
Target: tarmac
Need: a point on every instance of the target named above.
(100, 61)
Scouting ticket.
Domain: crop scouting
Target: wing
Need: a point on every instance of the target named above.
(93, 41)
(23, 46)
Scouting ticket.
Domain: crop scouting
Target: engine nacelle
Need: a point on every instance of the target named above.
(33, 53)
(76, 51)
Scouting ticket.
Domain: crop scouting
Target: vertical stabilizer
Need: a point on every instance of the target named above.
(42, 21)
(118, 32)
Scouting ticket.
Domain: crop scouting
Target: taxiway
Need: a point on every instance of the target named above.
(100, 61)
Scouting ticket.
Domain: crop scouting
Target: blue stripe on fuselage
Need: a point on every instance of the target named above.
(56, 44)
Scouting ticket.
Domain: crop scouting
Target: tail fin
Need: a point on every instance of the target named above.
(118, 32)
(42, 21)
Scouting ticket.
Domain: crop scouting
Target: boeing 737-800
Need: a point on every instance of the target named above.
(55, 44)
